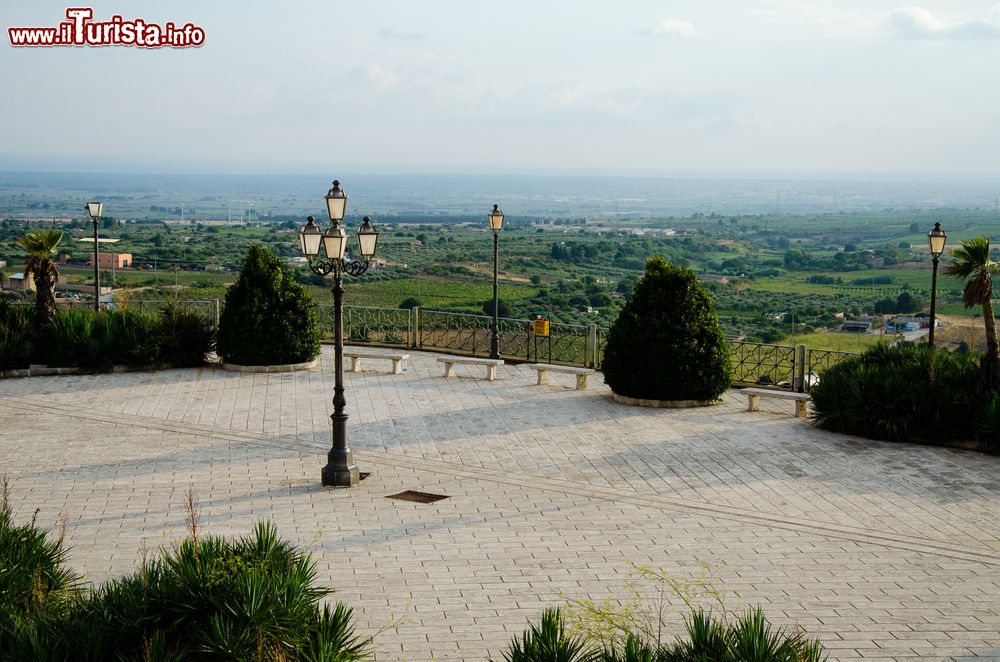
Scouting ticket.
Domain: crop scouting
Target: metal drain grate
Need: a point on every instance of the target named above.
(418, 497)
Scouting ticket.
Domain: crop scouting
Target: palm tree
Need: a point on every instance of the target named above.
(973, 265)
(41, 248)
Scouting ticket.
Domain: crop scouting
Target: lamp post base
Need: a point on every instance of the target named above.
(341, 476)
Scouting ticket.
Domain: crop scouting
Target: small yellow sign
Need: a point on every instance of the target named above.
(541, 326)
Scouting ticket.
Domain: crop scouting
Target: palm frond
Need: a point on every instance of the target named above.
(972, 257)
(41, 244)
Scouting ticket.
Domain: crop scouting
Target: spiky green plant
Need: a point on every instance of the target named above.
(548, 641)
(900, 393)
(186, 337)
(988, 422)
(752, 639)
(252, 599)
(17, 336)
(34, 582)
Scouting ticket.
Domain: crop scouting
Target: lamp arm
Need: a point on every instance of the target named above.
(327, 266)
(322, 267)
(355, 267)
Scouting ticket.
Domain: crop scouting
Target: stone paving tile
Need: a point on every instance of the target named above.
(883, 551)
(778, 465)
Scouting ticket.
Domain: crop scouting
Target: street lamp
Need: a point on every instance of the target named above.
(496, 223)
(96, 210)
(340, 470)
(936, 239)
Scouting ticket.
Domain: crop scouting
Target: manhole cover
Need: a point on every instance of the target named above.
(419, 497)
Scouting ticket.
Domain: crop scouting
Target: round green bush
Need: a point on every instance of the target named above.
(268, 319)
(666, 343)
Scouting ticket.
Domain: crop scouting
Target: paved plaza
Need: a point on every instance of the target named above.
(883, 551)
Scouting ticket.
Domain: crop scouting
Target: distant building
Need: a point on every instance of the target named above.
(903, 323)
(713, 278)
(20, 281)
(857, 326)
(112, 260)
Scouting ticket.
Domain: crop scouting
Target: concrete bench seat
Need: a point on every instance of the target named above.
(543, 370)
(755, 394)
(356, 354)
(450, 361)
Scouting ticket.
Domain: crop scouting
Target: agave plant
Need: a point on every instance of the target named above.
(548, 641)
(34, 581)
(253, 599)
(752, 639)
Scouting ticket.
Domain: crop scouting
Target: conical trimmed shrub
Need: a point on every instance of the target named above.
(268, 319)
(667, 343)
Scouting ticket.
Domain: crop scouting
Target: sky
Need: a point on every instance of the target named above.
(751, 88)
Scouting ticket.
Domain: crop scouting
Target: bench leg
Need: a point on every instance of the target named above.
(397, 366)
(581, 382)
(800, 408)
(449, 369)
(491, 372)
(753, 402)
(355, 364)
(543, 377)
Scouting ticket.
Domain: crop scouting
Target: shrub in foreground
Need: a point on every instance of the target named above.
(746, 638)
(906, 393)
(268, 319)
(666, 343)
(97, 341)
(185, 336)
(209, 599)
(16, 336)
(34, 584)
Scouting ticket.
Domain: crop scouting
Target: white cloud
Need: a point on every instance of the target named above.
(674, 27)
(918, 23)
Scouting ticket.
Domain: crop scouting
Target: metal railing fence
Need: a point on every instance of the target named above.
(782, 366)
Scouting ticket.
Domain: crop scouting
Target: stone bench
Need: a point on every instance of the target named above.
(543, 370)
(755, 394)
(450, 361)
(356, 355)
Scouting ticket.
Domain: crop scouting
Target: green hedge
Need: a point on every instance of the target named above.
(97, 341)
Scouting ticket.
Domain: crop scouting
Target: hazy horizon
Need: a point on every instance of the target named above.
(132, 195)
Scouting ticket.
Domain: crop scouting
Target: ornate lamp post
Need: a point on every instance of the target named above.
(340, 470)
(496, 223)
(936, 239)
(96, 210)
